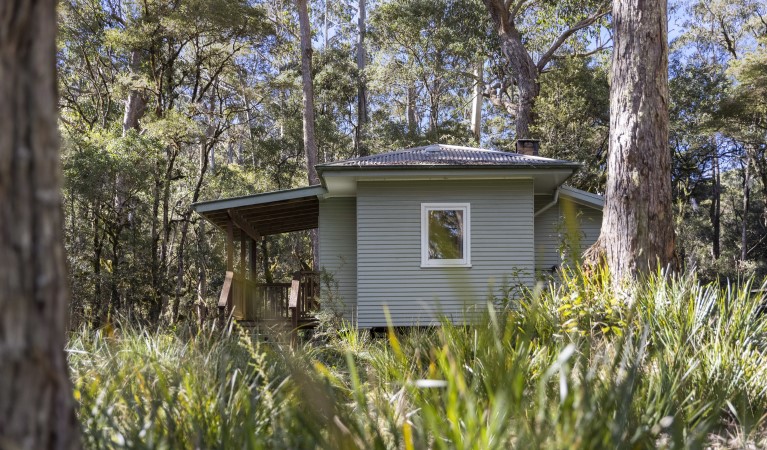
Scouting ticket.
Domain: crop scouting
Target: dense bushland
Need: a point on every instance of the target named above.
(670, 363)
(166, 103)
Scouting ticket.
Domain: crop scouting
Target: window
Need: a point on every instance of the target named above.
(445, 235)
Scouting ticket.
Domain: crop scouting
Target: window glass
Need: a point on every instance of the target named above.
(446, 233)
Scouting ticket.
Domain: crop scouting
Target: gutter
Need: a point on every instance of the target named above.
(548, 205)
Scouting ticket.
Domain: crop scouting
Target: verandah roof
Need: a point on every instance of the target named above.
(265, 214)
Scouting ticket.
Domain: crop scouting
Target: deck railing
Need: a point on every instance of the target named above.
(263, 302)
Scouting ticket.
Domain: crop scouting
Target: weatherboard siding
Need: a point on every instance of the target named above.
(547, 237)
(389, 273)
(338, 254)
(591, 225)
(551, 227)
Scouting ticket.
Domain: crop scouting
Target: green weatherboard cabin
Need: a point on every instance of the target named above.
(421, 233)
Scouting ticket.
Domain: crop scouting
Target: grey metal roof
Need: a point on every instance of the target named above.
(441, 155)
(583, 197)
(259, 199)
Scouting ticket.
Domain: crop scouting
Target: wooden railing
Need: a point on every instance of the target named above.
(295, 302)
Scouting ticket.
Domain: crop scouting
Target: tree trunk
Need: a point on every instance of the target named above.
(98, 244)
(162, 305)
(412, 121)
(36, 405)
(202, 275)
(135, 104)
(114, 293)
(310, 143)
(716, 209)
(362, 101)
(758, 160)
(476, 103)
(521, 65)
(155, 240)
(637, 230)
(746, 206)
(186, 218)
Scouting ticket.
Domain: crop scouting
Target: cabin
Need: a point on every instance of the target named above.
(410, 236)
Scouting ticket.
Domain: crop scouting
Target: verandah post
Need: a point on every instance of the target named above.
(242, 278)
(253, 261)
(225, 303)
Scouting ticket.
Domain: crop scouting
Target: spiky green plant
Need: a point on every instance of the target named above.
(669, 364)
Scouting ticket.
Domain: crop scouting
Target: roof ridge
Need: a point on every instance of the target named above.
(445, 154)
(480, 149)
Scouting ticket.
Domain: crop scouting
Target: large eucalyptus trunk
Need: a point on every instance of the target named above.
(523, 69)
(310, 142)
(36, 405)
(637, 230)
(135, 104)
(521, 65)
(135, 107)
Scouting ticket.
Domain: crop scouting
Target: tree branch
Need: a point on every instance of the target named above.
(515, 10)
(546, 58)
(601, 48)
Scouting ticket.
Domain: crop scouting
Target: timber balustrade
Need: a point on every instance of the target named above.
(294, 303)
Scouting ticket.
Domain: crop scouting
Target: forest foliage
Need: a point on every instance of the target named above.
(164, 103)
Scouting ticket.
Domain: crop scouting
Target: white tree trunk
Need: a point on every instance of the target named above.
(476, 103)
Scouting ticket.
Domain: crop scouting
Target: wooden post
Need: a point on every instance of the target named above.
(225, 301)
(230, 246)
(241, 291)
(295, 287)
(253, 259)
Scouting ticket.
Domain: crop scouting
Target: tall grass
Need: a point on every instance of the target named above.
(669, 364)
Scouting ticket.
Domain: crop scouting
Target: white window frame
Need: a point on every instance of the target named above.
(425, 260)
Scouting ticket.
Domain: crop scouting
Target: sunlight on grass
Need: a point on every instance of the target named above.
(570, 366)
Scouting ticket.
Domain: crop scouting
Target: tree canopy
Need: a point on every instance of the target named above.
(166, 103)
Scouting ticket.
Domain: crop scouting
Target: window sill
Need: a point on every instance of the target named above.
(443, 266)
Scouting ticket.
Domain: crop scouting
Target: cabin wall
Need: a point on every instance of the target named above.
(547, 237)
(552, 227)
(389, 273)
(338, 254)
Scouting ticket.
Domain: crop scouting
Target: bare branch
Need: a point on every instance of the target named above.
(566, 34)
(727, 40)
(515, 10)
(601, 48)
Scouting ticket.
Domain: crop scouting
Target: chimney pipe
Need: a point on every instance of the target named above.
(528, 147)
